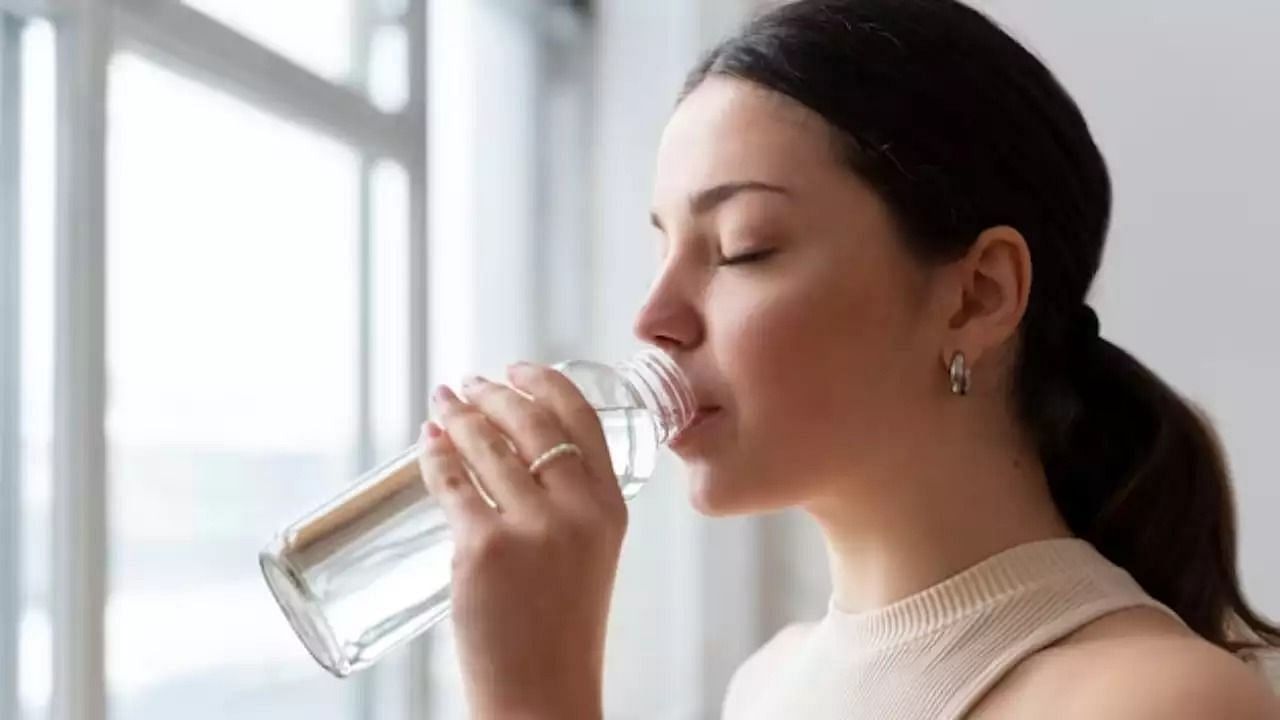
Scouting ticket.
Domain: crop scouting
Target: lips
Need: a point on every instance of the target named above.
(699, 418)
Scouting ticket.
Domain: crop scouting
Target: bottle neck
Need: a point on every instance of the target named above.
(662, 389)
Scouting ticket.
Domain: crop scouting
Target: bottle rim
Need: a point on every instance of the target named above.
(667, 384)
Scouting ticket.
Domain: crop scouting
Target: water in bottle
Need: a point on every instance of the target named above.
(370, 569)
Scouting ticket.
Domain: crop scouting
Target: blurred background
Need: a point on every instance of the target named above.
(240, 239)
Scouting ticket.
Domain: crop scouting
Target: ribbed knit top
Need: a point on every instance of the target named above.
(936, 653)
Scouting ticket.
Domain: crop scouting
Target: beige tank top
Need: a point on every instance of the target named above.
(936, 653)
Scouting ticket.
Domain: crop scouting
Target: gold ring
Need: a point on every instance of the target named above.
(547, 457)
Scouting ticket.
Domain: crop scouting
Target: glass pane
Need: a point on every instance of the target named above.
(391, 9)
(317, 34)
(232, 386)
(392, 426)
(35, 670)
(388, 68)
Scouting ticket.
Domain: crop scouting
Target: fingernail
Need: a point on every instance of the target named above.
(444, 395)
(433, 430)
(519, 368)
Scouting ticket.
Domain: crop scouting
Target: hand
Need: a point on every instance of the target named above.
(532, 578)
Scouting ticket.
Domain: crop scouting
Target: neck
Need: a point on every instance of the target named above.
(932, 512)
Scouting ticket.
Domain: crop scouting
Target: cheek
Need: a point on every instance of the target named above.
(792, 361)
(781, 362)
(818, 336)
(811, 370)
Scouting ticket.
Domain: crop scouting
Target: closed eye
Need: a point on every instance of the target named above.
(745, 258)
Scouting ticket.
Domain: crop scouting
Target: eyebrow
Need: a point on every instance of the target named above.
(709, 199)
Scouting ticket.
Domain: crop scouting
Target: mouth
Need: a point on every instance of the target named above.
(700, 418)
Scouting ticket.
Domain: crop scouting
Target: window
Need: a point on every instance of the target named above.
(26, 234)
(37, 183)
(213, 268)
(233, 345)
(258, 343)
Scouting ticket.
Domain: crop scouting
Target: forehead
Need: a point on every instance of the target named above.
(730, 130)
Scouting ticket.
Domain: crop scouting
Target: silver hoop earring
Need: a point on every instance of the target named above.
(959, 375)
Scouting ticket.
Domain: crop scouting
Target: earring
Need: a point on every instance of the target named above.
(959, 373)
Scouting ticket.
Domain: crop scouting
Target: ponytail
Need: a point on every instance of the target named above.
(1139, 472)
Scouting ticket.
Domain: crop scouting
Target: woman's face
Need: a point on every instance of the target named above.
(789, 299)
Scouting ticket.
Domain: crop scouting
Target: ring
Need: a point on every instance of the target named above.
(549, 456)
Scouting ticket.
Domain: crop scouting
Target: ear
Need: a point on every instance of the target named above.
(988, 295)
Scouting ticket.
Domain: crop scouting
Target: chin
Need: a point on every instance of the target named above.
(706, 505)
(720, 494)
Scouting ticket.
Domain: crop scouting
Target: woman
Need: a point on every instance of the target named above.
(879, 222)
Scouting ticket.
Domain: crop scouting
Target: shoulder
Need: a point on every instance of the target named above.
(1181, 677)
(761, 665)
(1135, 665)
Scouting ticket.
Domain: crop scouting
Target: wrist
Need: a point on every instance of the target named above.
(542, 713)
(561, 692)
(563, 706)
(553, 714)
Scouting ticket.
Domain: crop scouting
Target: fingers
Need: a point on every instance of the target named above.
(565, 402)
(486, 450)
(449, 483)
(533, 428)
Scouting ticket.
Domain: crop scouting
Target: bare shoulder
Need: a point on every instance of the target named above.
(1173, 678)
(1133, 664)
(761, 665)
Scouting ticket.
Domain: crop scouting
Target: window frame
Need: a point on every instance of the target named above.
(182, 40)
(11, 27)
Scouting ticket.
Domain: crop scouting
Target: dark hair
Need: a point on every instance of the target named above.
(959, 129)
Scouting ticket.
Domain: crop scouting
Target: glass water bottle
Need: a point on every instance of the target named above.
(370, 569)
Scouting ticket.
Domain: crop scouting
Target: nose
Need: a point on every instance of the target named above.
(669, 318)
